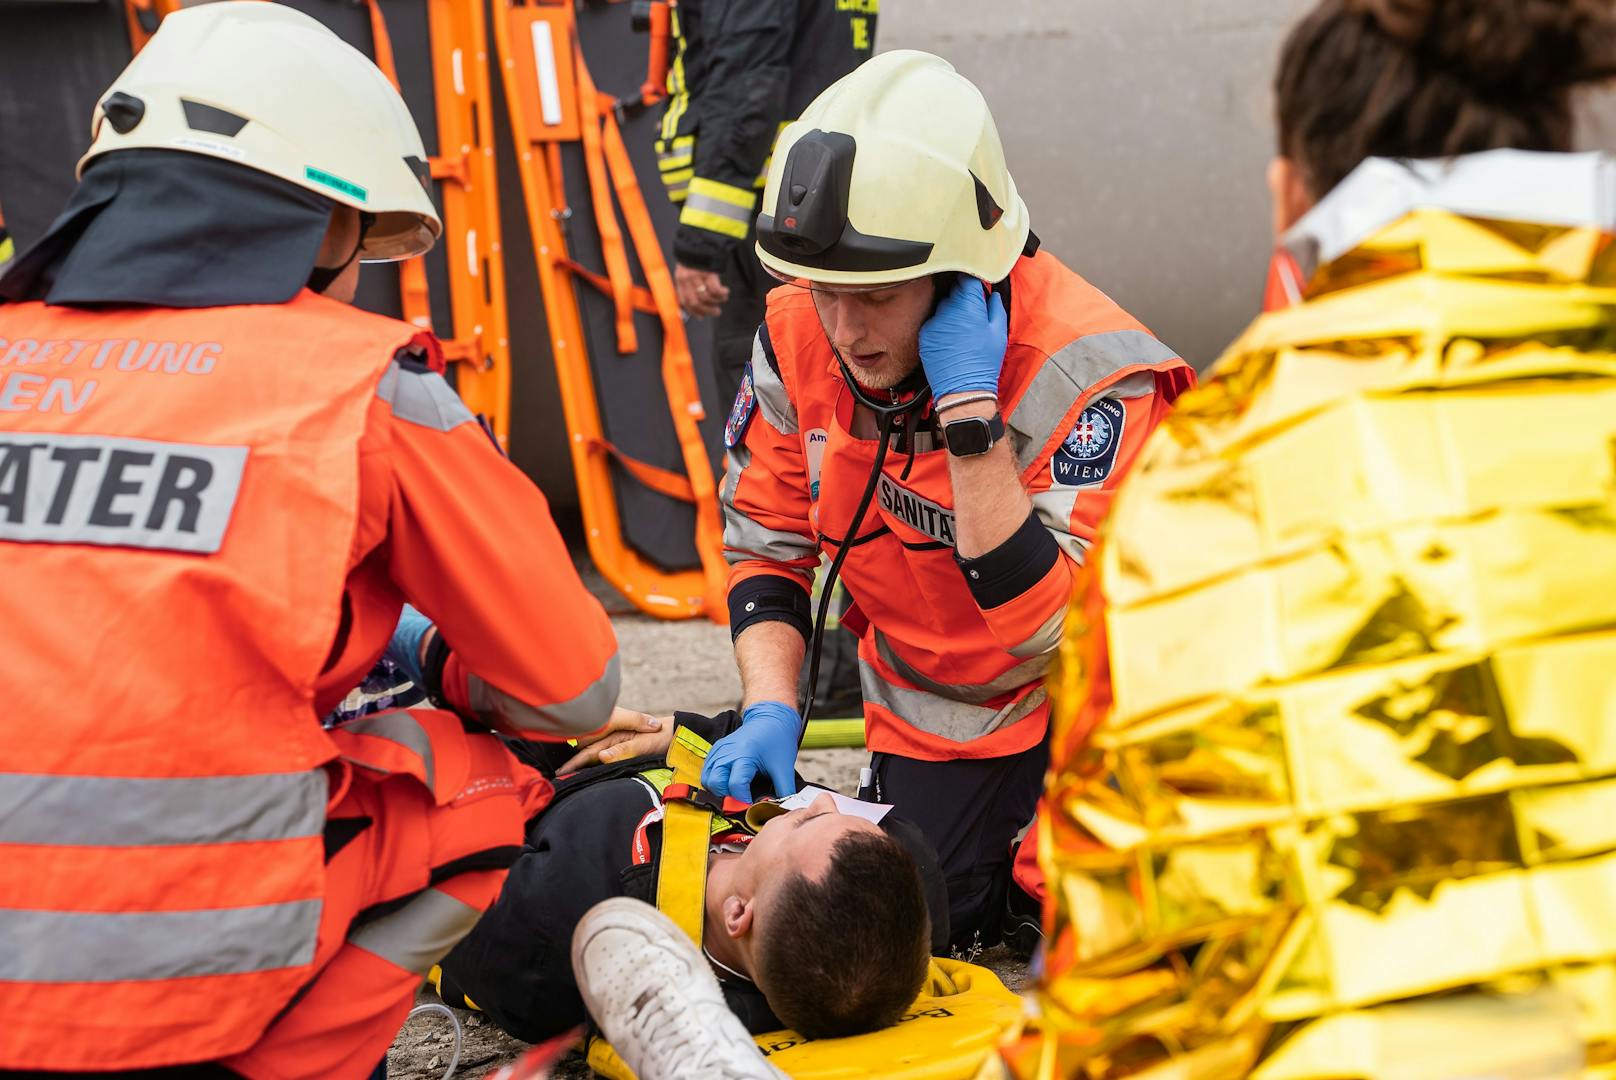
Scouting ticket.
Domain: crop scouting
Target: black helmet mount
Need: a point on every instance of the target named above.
(809, 226)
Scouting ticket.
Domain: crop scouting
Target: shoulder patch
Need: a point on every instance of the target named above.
(1088, 454)
(740, 414)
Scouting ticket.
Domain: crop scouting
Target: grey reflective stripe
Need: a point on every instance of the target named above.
(744, 538)
(423, 398)
(952, 720)
(698, 201)
(420, 933)
(970, 694)
(78, 946)
(1054, 508)
(1136, 385)
(1066, 376)
(1045, 638)
(104, 811)
(401, 728)
(736, 460)
(579, 715)
(773, 401)
(117, 492)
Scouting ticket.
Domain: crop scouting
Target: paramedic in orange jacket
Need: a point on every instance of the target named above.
(917, 280)
(219, 482)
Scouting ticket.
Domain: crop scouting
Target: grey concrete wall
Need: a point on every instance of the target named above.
(1138, 132)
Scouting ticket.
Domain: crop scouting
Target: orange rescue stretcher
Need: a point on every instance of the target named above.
(552, 100)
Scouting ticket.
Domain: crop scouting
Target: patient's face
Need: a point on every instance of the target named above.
(799, 843)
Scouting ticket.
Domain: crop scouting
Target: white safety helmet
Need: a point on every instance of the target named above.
(271, 88)
(893, 173)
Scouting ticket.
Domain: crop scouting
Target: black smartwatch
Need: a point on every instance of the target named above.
(973, 436)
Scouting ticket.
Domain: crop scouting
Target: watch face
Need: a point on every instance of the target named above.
(969, 437)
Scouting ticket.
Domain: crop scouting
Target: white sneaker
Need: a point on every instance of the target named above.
(656, 1000)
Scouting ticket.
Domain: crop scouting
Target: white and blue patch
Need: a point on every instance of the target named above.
(1090, 452)
(740, 414)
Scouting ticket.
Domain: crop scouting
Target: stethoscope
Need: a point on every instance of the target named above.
(887, 414)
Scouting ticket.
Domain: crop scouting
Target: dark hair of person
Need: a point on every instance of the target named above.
(847, 954)
(1435, 78)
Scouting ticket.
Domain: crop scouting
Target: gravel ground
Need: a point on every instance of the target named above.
(666, 666)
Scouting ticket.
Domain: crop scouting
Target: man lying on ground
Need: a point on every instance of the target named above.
(818, 921)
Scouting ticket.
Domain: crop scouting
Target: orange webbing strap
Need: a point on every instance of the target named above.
(655, 87)
(666, 481)
(143, 17)
(640, 294)
(678, 372)
(611, 237)
(383, 42)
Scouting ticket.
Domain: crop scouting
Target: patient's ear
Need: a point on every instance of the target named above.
(737, 916)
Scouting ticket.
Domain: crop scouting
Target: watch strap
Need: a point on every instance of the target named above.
(959, 442)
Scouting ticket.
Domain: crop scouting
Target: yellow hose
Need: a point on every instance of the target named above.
(826, 734)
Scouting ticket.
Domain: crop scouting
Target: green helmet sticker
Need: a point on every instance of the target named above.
(336, 183)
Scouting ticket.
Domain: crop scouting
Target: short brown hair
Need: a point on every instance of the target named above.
(1435, 78)
(847, 954)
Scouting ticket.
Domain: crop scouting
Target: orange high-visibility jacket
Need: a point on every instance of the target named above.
(208, 521)
(944, 674)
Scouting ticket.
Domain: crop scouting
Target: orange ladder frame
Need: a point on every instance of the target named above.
(582, 113)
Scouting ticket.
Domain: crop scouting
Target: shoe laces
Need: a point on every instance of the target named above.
(666, 1024)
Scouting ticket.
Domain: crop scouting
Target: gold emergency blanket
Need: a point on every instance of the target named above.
(1334, 790)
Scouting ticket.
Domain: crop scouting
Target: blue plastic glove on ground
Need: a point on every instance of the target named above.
(405, 648)
(765, 742)
(962, 345)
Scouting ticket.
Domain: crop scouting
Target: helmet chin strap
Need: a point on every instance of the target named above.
(321, 278)
(886, 415)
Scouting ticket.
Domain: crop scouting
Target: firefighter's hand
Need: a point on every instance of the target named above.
(765, 742)
(962, 345)
(700, 292)
(628, 734)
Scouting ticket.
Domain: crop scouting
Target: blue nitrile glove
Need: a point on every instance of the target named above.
(766, 740)
(405, 648)
(962, 345)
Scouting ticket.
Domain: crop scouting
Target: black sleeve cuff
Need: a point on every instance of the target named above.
(768, 598)
(711, 728)
(999, 576)
(701, 249)
(437, 655)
